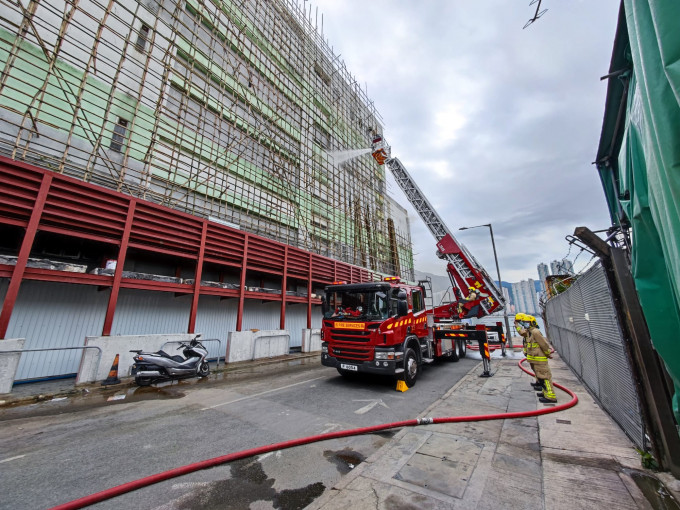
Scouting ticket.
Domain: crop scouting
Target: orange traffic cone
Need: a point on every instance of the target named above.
(113, 374)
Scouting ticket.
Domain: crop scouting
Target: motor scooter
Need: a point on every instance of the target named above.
(153, 367)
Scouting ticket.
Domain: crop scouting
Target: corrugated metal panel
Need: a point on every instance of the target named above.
(575, 350)
(261, 315)
(51, 315)
(578, 309)
(589, 372)
(593, 346)
(215, 318)
(296, 321)
(603, 322)
(145, 312)
(618, 393)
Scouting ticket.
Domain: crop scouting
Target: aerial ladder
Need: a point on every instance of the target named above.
(463, 270)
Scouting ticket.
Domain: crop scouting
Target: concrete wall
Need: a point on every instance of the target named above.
(92, 369)
(9, 361)
(311, 340)
(254, 344)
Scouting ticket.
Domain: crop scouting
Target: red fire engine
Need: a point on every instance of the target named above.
(386, 327)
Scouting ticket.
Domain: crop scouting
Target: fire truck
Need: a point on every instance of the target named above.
(389, 327)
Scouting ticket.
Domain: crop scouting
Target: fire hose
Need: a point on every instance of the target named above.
(216, 461)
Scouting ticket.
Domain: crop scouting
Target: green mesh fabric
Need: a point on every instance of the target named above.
(647, 193)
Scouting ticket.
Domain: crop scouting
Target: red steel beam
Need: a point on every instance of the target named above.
(242, 287)
(284, 286)
(309, 294)
(24, 252)
(118, 275)
(197, 279)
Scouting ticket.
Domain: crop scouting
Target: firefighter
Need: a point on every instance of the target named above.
(521, 319)
(473, 294)
(538, 352)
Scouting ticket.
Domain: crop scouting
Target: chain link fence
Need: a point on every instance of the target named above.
(582, 326)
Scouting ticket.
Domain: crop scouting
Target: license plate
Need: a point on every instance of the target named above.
(353, 368)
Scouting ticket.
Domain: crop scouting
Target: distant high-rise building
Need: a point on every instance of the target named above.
(525, 297)
(555, 267)
(509, 301)
(543, 273)
(563, 266)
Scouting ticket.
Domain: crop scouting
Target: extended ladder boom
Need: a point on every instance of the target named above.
(464, 271)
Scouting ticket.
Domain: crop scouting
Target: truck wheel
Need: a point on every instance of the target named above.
(411, 368)
(462, 348)
(453, 355)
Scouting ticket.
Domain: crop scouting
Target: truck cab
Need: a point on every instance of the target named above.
(376, 327)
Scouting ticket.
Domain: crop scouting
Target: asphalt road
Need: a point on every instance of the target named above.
(55, 452)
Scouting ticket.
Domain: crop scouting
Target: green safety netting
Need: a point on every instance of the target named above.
(642, 184)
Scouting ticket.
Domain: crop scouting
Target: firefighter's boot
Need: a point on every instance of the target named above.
(538, 385)
(548, 395)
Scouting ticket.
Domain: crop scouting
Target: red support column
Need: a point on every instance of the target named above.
(335, 270)
(118, 275)
(242, 286)
(197, 281)
(309, 294)
(24, 252)
(284, 284)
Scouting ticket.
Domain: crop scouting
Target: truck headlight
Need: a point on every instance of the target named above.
(384, 355)
(324, 349)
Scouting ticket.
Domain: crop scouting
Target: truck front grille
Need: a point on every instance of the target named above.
(351, 352)
(348, 335)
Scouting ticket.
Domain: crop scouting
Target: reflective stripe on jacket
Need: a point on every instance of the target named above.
(537, 346)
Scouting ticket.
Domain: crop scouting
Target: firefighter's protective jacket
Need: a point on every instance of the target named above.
(538, 350)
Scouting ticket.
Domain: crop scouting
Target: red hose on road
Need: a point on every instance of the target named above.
(190, 468)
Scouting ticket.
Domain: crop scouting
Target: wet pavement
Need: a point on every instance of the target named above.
(61, 389)
(572, 459)
(577, 458)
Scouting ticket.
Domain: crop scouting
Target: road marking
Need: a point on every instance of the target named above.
(329, 427)
(12, 458)
(189, 485)
(370, 406)
(262, 393)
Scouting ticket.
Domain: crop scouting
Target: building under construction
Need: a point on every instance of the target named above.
(203, 150)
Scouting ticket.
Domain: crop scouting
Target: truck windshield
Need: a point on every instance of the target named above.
(357, 305)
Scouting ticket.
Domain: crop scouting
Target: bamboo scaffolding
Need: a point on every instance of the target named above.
(221, 108)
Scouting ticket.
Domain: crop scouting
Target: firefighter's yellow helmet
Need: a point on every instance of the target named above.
(529, 320)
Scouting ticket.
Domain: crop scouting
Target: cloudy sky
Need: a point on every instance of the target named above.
(496, 123)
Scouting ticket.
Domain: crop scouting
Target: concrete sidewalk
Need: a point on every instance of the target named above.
(572, 459)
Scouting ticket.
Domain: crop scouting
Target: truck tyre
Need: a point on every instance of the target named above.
(411, 368)
(453, 355)
(461, 347)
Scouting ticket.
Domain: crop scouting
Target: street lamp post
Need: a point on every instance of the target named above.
(500, 281)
